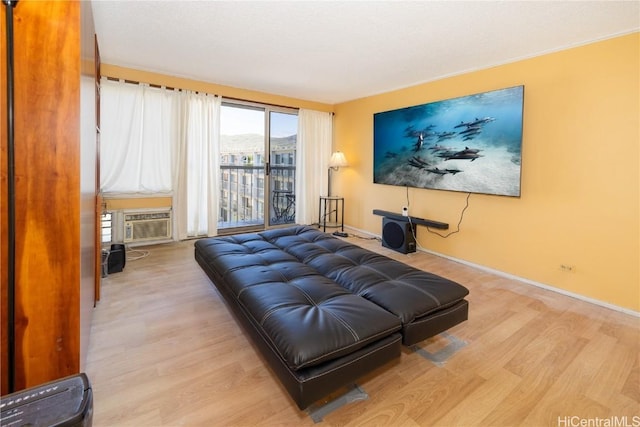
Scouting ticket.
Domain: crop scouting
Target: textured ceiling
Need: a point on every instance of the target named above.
(335, 51)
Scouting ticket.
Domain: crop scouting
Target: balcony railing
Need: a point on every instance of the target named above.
(242, 196)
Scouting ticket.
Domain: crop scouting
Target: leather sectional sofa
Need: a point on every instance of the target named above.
(322, 311)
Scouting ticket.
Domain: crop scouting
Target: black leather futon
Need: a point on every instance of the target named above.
(322, 311)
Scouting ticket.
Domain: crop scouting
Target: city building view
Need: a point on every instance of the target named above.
(244, 191)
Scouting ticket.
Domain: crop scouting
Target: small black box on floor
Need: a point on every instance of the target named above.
(117, 258)
(398, 235)
(67, 402)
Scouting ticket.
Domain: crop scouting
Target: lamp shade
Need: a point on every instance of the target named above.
(338, 160)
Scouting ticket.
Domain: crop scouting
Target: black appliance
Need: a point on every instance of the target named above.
(398, 235)
(117, 258)
(67, 402)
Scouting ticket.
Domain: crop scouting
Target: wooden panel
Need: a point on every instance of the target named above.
(98, 249)
(47, 67)
(4, 226)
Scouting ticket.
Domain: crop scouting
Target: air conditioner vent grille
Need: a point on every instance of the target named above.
(147, 226)
(144, 216)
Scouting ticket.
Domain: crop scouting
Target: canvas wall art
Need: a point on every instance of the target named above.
(470, 144)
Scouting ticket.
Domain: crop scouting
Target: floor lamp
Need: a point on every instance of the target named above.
(337, 161)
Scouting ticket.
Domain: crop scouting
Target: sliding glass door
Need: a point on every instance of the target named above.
(257, 166)
(282, 167)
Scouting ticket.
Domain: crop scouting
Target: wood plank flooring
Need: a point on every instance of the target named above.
(166, 351)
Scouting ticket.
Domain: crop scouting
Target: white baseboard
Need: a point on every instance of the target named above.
(520, 279)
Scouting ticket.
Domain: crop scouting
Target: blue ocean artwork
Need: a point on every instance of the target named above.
(470, 144)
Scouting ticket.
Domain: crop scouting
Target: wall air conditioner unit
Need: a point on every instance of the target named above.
(147, 226)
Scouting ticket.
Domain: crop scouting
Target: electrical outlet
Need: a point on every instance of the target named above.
(405, 211)
(568, 268)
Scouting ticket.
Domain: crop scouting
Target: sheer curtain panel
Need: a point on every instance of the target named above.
(315, 133)
(196, 200)
(138, 128)
(156, 141)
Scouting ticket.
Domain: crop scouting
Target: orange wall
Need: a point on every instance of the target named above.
(112, 204)
(580, 173)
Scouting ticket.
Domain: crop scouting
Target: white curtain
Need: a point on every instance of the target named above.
(157, 141)
(163, 142)
(138, 128)
(315, 135)
(196, 171)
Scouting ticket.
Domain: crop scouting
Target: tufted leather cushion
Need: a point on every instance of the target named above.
(407, 292)
(308, 318)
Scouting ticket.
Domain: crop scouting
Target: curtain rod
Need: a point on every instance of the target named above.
(117, 79)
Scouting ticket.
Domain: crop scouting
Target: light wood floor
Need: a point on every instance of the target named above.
(166, 351)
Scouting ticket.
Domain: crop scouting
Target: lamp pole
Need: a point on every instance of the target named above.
(329, 182)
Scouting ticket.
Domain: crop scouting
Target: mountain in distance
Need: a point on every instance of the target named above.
(252, 142)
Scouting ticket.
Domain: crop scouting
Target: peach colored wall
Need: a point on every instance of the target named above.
(580, 173)
(137, 203)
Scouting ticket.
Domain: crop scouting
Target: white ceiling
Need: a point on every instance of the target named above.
(336, 51)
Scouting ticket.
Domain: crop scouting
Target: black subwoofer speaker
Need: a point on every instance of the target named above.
(117, 258)
(398, 235)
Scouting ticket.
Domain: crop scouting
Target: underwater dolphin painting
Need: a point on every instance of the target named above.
(483, 134)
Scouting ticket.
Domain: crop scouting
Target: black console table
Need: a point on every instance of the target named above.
(414, 220)
(331, 205)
